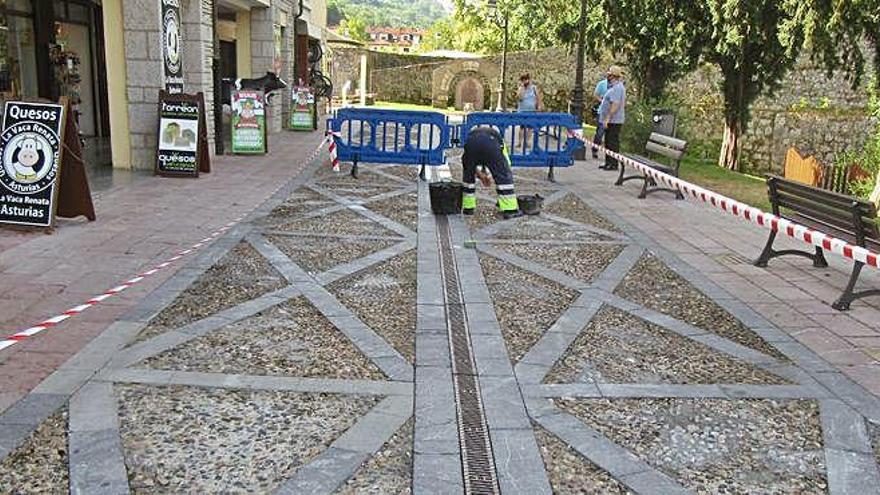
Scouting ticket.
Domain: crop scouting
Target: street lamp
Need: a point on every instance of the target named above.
(501, 18)
(577, 96)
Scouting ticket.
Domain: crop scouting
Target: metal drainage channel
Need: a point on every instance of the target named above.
(478, 464)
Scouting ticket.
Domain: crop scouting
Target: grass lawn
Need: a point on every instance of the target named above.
(745, 188)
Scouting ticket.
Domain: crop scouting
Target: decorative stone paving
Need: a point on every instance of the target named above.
(715, 446)
(317, 253)
(39, 465)
(658, 287)
(384, 297)
(292, 339)
(239, 276)
(313, 356)
(526, 304)
(570, 473)
(196, 440)
(617, 347)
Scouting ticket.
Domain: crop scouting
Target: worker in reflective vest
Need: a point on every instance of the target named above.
(485, 148)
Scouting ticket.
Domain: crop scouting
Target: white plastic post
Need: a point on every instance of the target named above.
(363, 85)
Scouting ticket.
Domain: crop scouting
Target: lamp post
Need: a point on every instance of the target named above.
(501, 19)
(577, 95)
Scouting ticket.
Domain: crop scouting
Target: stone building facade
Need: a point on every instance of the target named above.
(812, 112)
(267, 35)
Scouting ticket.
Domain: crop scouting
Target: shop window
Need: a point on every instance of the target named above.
(18, 59)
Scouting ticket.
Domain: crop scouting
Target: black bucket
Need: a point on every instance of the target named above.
(531, 204)
(445, 197)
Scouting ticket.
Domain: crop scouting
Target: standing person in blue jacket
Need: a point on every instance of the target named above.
(598, 94)
(611, 114)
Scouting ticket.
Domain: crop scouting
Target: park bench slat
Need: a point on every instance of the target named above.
(662, 145)
(830, 197)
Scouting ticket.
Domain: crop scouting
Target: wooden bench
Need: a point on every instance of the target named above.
(842, 216)
(658, 144)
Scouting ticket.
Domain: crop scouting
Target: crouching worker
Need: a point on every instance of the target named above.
(485, 148)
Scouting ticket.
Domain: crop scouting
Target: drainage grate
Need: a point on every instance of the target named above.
(478, 465)
(732, 259)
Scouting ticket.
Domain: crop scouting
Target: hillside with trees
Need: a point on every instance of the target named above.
(420, 14)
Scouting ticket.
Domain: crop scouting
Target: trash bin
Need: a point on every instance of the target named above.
(445, 197)
(663, 121)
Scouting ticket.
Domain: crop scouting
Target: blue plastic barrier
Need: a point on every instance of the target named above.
(533, 139)
(390, 136)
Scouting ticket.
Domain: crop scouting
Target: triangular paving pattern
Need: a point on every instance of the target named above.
(656, 286)
(300, 201)
(195, 440)
(39, 465)
(344, 222)
(291, 339)
(526, 304)
(583, 262)
(402, 208)
(618, 347)
(389, 470)
(717, 446)
(542, 228)
(241, 275)
(361, 191)
(571, 473)
(327, 177)
(316, 254)
(572, 208)
(384, 298)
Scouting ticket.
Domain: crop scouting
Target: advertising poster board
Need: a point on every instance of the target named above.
(302, 109)
(30, 150)
(182, 144)
(248, 122)
(172, 45)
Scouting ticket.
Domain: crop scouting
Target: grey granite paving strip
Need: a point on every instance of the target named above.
(849, 455)
(168, 340)
(343, 204)
(400, 180)
(361, 210)
(555, 196)
(555, 242)
(338, 463)
(841, 387)
(329, 235)
(587, 227)
(611, 277)
(531, 266)
(284, 192)
(518, 462)
(620, 463)
(257, 382)
(346, 269)
(20, 420)
(97, 464)
(436, 452)
(536, 363)
(628, 390)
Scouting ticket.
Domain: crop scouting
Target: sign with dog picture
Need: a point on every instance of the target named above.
(30, 147)
(182, 135)
(248, 122)
(171, 45)
(302, 109)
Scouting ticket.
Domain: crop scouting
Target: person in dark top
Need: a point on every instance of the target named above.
(485, 148)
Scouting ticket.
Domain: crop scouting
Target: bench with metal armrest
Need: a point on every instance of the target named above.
(658, 144)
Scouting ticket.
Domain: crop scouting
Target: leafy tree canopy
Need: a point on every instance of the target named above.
(419, 14)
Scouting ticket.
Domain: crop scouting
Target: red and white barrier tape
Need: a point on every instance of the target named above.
(55, 320)
(750, 213)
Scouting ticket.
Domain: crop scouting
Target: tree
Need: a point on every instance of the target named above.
(354, 28)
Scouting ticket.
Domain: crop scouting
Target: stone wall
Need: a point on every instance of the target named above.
(345, 65)
(812, 112)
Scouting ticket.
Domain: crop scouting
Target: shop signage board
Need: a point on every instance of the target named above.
(183, 144)
(302, 109)
(171, 45)
(31, 151)
(248, 122)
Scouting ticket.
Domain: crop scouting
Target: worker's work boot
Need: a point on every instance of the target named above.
(467, 211)
(511, 214)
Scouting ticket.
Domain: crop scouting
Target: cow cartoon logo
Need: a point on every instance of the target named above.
(28, 161)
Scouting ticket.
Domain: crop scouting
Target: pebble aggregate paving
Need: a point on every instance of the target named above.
(656, 286)
(617, 347)
(239, 276)
(179, 439)
(570, 473)
(526, 304)
(292, 339)
(715, 446)
(593, 380)
(39, 465)
(384, 298)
